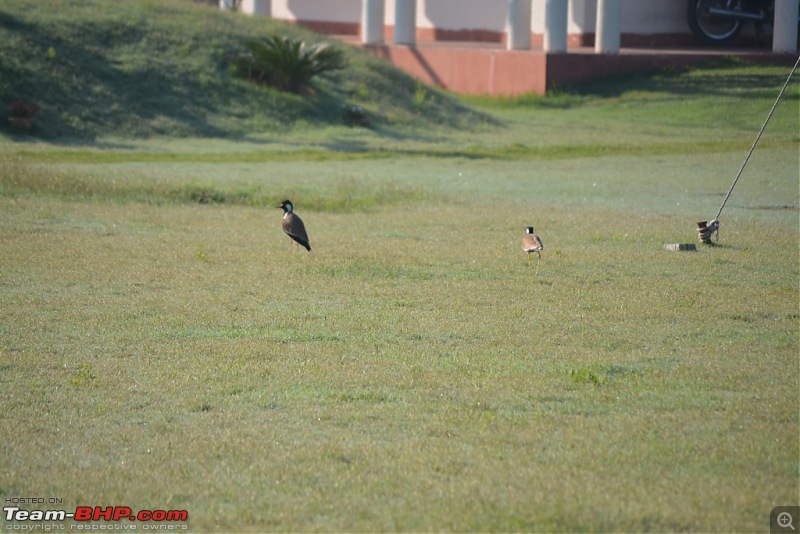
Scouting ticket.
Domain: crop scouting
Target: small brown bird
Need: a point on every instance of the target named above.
(532, 243)
(293, 225)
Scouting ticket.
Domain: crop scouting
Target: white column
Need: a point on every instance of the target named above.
(609, 14)
(405, 22)
(519, 25)
(784, 36)
(555, 26)
(372, 21)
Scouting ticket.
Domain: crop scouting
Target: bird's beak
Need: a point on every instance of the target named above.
(280, 206)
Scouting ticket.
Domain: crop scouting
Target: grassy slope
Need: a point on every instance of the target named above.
(144, 68)
(409, 374)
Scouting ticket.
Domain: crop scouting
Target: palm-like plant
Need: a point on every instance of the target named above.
(287, 64)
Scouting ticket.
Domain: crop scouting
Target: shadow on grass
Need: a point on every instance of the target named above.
(102, 95)
(132, 71)
(713, 79)
(703, 80)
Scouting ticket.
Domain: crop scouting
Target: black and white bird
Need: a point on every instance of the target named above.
(532, 243)
(293, 225)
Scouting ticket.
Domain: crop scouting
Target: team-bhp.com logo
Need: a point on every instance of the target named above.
(91, 515)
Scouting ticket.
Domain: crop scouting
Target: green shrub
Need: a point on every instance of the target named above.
(287, 64)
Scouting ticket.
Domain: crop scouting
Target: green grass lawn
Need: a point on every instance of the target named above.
(162, 346)
(410, 373)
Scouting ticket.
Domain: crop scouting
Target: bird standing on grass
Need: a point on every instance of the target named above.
(293, 225)
(532, 243)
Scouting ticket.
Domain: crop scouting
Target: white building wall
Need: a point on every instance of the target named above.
(462, 14)
(648, 17)
(642, 17)
(318, 10)
(254, 7)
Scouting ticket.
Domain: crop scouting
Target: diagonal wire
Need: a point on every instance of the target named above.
(758, 137)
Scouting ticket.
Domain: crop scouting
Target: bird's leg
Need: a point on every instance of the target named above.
(538, 260)
(529, 260)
